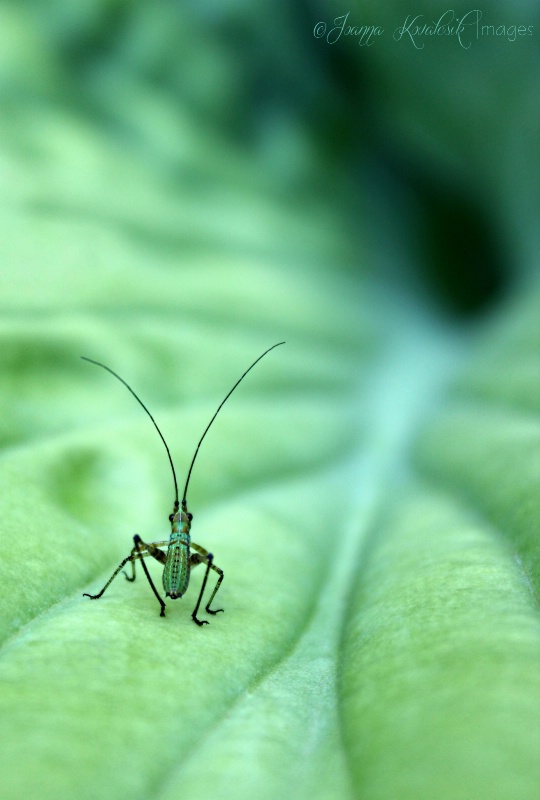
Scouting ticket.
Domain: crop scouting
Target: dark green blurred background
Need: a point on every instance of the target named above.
(424, 156)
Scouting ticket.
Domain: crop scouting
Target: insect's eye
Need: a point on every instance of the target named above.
(189, 516)
(171, 517)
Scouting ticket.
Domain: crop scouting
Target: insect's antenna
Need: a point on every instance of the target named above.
(138, 399)
(215, 415)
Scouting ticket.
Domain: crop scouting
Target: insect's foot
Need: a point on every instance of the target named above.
(199, 621)
(126, 576)
(162, 612)
(209, 610)
(91, 596)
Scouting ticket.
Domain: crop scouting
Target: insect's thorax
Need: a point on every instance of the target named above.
(176, 569)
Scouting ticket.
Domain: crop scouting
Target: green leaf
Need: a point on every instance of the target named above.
(380, 637)
(370, 490)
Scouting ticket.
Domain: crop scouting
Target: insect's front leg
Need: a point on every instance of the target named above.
(202, 556)
(139, 551)
(122, 564)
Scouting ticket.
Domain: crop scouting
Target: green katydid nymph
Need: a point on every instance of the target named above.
(178, 561)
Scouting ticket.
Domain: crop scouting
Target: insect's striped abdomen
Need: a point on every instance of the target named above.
(176, 570)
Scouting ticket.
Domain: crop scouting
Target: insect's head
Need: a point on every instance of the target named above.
(181, 518)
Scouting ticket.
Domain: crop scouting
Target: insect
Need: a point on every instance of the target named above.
(179, 560)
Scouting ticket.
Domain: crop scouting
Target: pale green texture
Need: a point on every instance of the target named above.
(440, 676)
(380, 637)
(172, 206)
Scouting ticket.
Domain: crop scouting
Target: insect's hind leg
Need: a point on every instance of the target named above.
(202, 556)
(152, 550)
